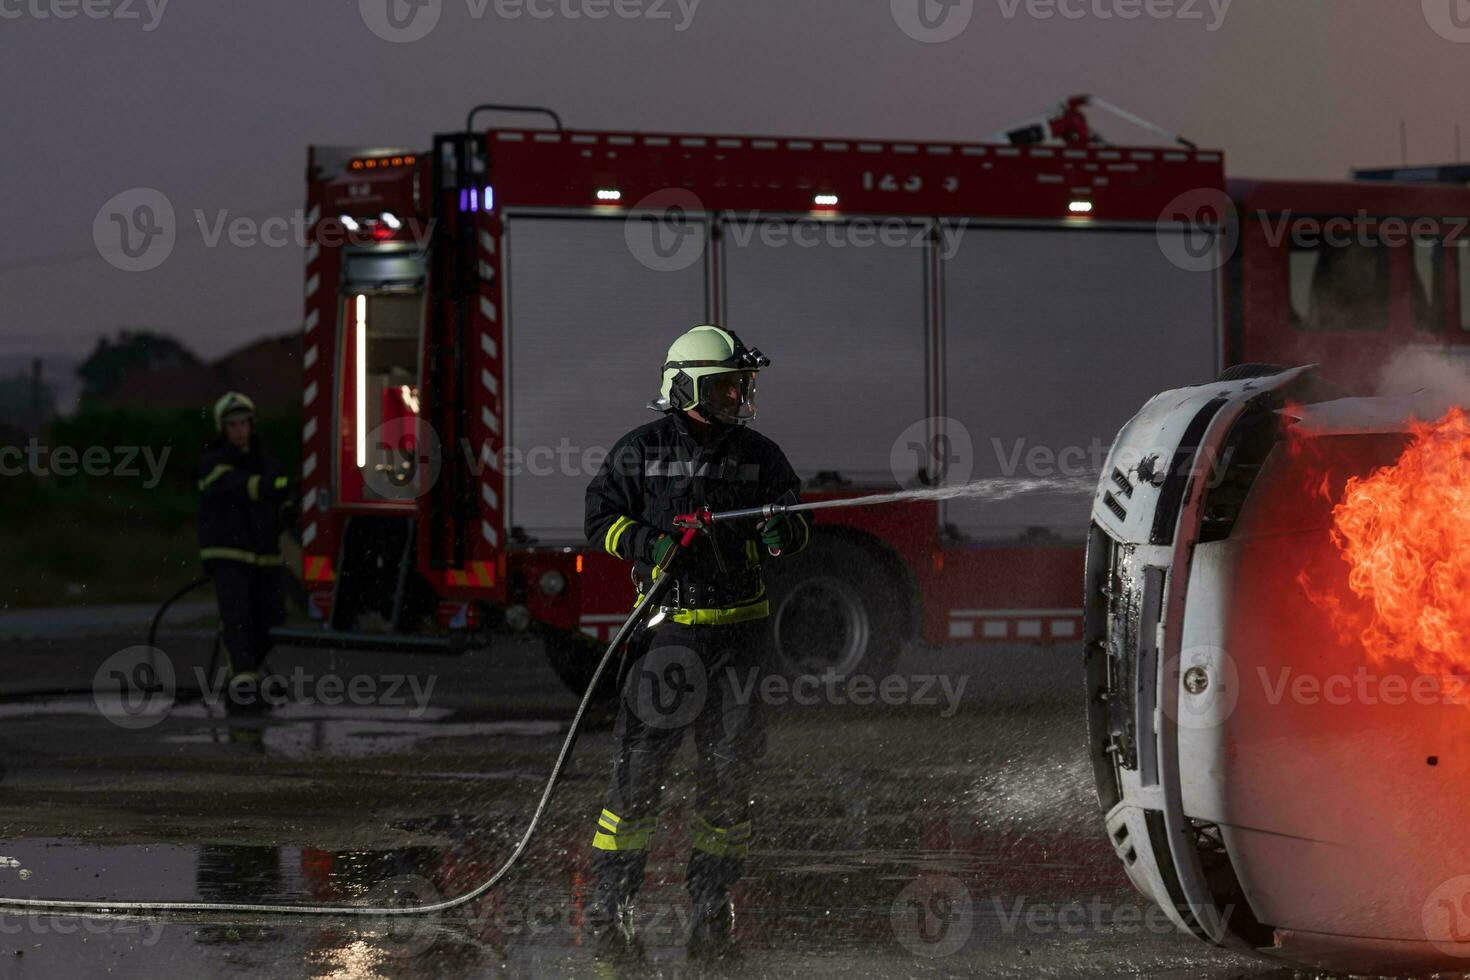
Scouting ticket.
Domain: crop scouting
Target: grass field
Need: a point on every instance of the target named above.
(80, 539)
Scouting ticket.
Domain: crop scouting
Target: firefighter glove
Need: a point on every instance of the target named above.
(778, 533)
(662, 547)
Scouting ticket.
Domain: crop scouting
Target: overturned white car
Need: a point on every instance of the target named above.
(1279, 734)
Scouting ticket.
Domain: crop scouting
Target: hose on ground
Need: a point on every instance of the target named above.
(99, 908)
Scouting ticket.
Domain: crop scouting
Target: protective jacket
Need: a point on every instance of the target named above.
(659, 471)
(245, 500)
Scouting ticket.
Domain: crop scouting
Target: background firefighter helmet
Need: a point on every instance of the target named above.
(232, 403)
(697, 357)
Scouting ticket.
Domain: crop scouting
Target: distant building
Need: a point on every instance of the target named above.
(269, 371)
(27, 401)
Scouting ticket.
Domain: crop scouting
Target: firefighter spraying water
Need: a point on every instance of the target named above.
(707, 599)
(742, 492)
(698, 455)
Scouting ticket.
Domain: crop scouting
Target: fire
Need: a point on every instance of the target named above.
(1404, 532)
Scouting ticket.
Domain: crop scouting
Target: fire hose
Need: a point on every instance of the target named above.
(690, 526)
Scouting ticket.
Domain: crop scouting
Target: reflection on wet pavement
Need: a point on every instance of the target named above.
(890, 841)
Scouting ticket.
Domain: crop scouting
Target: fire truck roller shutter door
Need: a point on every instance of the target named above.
(837, 309)
(589, 327)
(1053, 339)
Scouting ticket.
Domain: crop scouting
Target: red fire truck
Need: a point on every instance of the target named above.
(483, 320)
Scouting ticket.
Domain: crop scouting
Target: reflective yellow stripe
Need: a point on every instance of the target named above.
(615, 534)
(721, 617)
(721, 841)
(215, 474)
(282, 482)
(752, 555)
(622, 842)
(616, 834)
(252, 487)
(759, 608)
(239, 554)
(617, 538)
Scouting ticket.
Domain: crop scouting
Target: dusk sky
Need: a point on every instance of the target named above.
(214, 104)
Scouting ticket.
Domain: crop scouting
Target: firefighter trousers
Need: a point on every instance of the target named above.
(677, 678)
(252, 599)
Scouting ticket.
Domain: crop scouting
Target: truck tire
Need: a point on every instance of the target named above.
(573, 658)
(1242, 371)
(834, 610)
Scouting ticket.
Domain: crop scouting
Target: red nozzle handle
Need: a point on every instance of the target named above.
(692, 524)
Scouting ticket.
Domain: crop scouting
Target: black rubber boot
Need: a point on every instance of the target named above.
(712, 912)
(608, 917)
(243, 696)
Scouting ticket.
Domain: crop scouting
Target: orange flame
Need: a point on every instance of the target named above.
(1404, 531)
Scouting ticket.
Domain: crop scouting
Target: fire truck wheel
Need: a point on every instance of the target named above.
(834, 611)
(574, 658)
(1242, 371)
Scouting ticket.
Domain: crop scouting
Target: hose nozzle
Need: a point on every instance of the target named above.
(764, 512)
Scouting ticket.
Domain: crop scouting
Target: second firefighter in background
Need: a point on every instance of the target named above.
(246, 499)
(699, 454)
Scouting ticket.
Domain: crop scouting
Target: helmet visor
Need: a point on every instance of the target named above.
(728, 396)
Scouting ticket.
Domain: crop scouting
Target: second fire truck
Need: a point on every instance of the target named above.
(483, 318)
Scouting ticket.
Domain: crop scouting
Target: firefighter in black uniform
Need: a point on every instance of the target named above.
(245, 500)
(696, 664)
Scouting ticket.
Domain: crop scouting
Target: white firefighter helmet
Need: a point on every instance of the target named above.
(695, 360)
(230, 404)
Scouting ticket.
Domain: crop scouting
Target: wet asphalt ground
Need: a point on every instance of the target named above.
(948, 829)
